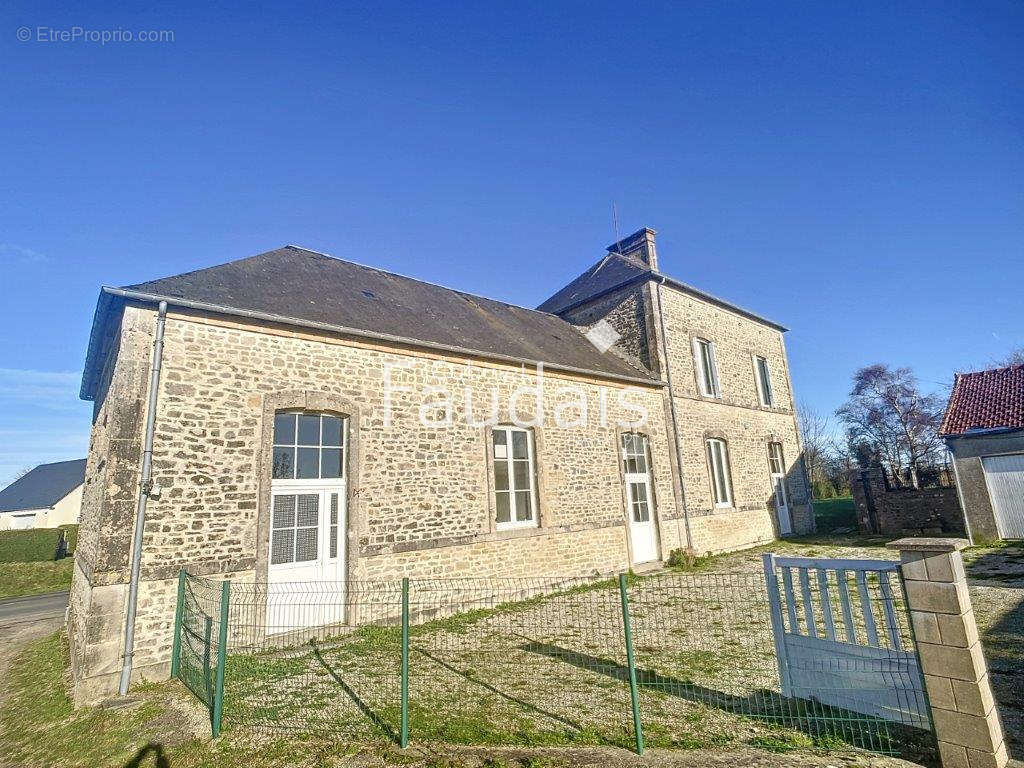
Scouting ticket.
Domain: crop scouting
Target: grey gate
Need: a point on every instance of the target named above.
(843, 638)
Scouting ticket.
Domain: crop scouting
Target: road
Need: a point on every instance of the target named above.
(17, 610)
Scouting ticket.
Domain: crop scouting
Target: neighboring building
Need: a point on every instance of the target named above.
(299, 434)
(46, 497)
(984, 430)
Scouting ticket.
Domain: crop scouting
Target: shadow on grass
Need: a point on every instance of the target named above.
(152, 748)
(507, 696)
(821, 722)
(373, 717)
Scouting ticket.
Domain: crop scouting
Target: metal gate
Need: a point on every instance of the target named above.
(843, 638)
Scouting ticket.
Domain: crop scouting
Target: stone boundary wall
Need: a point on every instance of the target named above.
(926, 511)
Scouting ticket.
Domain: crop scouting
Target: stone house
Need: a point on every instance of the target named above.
(315, 419)
(984, 430)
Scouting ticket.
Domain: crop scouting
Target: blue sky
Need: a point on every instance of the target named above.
(855, 171)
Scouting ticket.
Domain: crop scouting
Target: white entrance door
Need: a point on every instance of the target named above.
(777, 470)
(642, 533)
(305, 577)
(306, 568)
(1005, 478)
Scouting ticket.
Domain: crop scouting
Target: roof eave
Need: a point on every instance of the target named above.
(95, 339)
(989, 432)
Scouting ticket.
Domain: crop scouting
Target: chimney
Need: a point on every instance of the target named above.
(640, 246)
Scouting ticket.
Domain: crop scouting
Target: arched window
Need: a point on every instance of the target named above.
(308, 493)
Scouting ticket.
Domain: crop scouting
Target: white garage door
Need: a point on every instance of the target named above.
(1005, 477)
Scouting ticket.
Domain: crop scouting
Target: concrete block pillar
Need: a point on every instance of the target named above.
(955, 675)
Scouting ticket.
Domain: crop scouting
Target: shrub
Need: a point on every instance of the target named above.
(34, 544)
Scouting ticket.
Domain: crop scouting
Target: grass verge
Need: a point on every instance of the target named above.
(20, 579)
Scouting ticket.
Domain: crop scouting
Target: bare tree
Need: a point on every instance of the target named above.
(887, 416)
(817, 441)
(23, 471)
(1016, 357)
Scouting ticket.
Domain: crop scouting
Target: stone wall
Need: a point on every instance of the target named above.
(905, 512)
(738, 418)
(419, 501)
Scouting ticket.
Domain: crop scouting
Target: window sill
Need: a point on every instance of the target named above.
(518, 531)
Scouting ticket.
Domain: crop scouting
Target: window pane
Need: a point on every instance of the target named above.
(330, 462)
(500, 445)
(334, 509)
(284, 463)
(284, 429)
(521, 473)
(641, 513)
(309, 509)
(334, 541)
(519, 445)
(502, 502)
(631, 466)
(501, 475)
(331, 430)
(524, 510)
(309, 429)
(308, 463)
(305, 544)
(284, 511)
(283, 548)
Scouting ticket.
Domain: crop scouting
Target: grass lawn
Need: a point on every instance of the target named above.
(34, 544)
(19, 579)
(830, 514)
(473, 674)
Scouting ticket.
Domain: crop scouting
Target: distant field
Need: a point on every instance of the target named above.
(834, 513)
(33, 545)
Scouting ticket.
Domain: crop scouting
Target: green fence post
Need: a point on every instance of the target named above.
(638, 728)
(405, 663)
(222, 653)
(178, 611)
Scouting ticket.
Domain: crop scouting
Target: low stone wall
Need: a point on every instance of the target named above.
(925, 511)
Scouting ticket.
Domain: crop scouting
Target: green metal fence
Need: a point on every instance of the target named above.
(673, 660)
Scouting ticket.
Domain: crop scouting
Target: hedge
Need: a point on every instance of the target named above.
(33, 544)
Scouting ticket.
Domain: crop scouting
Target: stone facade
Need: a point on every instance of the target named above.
(737, 416)
(420, 496)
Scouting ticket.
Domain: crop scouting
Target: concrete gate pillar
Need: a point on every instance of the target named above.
(955, 675)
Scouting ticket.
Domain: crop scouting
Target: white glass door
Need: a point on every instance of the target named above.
(642, 533)
(776, 468)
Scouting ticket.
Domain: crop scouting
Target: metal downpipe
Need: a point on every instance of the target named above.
(675, 417)
(145, 487)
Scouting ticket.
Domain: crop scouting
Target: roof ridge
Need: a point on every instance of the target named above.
(991, 370)
(419, 280)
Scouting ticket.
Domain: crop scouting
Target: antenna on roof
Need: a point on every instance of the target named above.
(615, 221)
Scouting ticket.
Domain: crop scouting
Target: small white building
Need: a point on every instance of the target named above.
(46, 497)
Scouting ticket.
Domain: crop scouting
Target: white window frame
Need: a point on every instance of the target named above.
(707, 371)
(513, 522)
(765, 391)
(718, 470)
(314, 482)
(781, 458)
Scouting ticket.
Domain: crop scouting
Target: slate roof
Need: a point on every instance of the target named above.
(992, 399)
(616, 271)
(303, 287)
(44, 486)
(609, 273)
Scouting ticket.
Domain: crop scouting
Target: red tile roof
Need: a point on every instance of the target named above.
(985, 400)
